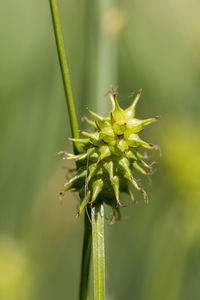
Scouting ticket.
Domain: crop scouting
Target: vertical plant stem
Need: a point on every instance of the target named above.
(98, 251)
(65, 71)
(87, 240)
(86, 255)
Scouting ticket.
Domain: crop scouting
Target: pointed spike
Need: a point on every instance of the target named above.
(131, 155)
(150, 146)
(102, 122)
(99, 118)
(114, 101)
(118, 113)
(97, 188)
(68, 185)
(112, 98)
(136, 99)
(145, 164)
(91, 135)
(116, 189)
(140, 159)
(72, 157)
(142, 156)
(85, 155)
(109, 166)
(92, 123)
(63, 153)
(124, 164)
(148, 166)
(119, 203)
(84, 203)
(77, 157)
(149, 121)
(134, 183)
(138, 168)
(83, 141)
(135, 141)
(92, 170)
(130, 178)
(130, 111)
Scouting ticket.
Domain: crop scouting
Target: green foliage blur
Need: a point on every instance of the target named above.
(153, 253)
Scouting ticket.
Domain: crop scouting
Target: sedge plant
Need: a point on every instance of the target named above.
(106, 160)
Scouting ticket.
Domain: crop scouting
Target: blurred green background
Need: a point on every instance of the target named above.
(154, 252)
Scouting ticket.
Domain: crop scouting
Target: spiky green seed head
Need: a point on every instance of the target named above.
(109, 156)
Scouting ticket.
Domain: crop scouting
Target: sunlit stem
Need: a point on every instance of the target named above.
(98, 251)
(65, 72)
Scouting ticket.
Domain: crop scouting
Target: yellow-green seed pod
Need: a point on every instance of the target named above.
(109, 156)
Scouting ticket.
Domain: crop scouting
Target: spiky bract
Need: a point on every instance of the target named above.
(109, 156)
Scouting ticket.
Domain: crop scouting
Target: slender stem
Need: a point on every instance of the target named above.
(87, 240)
(65, 71)
(98, 251)
(86, 255)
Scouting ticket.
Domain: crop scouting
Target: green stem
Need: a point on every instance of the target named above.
(65, 71)
(98, 251)
(87, 241)
(86, 255)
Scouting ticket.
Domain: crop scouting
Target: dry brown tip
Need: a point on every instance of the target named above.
(119, 203)
(112, 219)
(84, 118)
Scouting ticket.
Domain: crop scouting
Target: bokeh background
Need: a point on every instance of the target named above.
(154, 252)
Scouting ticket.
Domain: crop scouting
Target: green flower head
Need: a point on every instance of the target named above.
(109, 156)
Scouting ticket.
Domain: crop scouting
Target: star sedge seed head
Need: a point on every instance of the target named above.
(109, 156)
